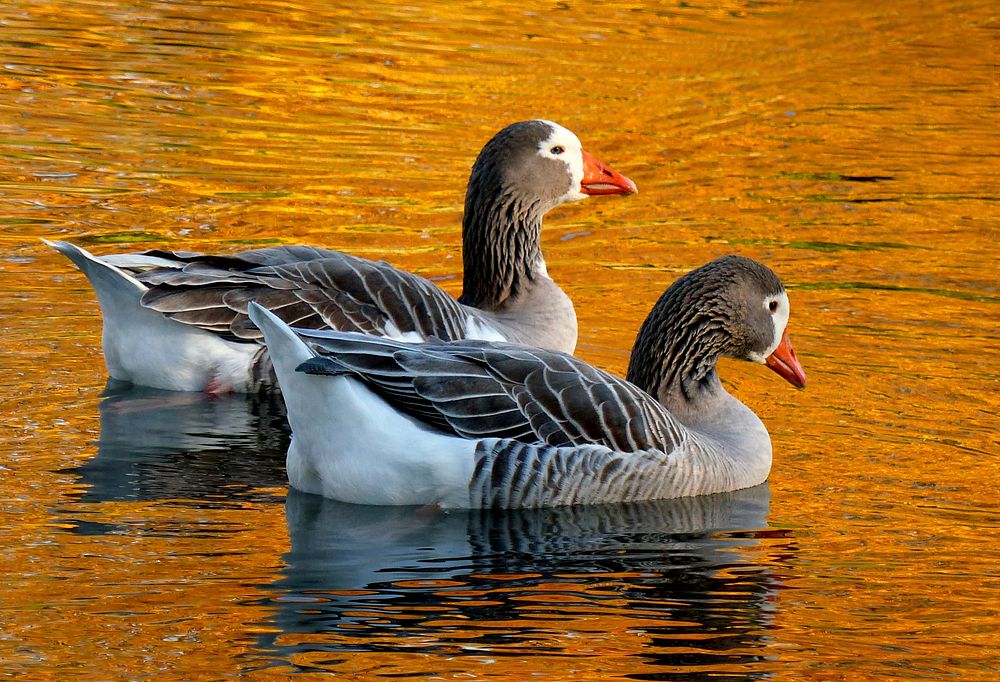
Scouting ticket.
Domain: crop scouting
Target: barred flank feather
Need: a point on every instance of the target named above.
(536, 428)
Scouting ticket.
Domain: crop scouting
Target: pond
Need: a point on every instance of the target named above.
(853, 147)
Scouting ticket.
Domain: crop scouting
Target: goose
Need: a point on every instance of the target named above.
(177, 320)
(474, 424)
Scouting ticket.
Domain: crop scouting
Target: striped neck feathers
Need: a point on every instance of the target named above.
(501, 249)
(675, 353)
(718, 309)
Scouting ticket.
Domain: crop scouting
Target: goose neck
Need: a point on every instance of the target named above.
(674, 360)
(501, 250)
(675, 355)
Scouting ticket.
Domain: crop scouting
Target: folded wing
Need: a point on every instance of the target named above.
(306, 287)
(485, 390)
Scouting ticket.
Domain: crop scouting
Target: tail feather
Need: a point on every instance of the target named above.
(311, 402)
(144, 347)
(286, 349)
(114, 287)
(326, 366)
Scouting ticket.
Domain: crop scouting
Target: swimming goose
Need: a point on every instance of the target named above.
(478, 424)
(178, 321)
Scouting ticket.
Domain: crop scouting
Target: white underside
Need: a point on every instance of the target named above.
(393, 332)
(161, 353)
(349, 445)
(474, 329)
(143, 347)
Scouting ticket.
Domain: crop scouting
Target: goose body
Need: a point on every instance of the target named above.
(479, 424)
(178, 321)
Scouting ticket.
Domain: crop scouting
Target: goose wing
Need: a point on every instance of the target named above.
(306, 287)
(483, 390)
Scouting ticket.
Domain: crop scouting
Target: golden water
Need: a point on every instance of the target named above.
(851, 146)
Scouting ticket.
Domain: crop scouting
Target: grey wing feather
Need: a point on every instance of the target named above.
(305, 286)
(482, 390)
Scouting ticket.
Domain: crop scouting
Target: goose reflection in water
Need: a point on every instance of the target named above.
(685, 577)
(157, 444)
(495, 582)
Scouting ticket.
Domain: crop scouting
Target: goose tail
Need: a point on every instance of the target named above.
(286, 349)
(144, 346)
(114, 286)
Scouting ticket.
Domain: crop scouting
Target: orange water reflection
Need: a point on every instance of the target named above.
(852, 147)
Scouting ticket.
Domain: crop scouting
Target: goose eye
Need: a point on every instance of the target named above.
(773, 306)
(557, 150)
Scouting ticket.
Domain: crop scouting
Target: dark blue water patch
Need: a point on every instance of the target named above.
(866, 178)
(122, 238)
(822, 246)
(837, 177)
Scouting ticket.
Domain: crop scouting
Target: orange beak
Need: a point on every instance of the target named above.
(601, 179)
(785, 364)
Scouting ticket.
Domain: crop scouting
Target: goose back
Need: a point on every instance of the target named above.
(524, 171)
(539, 427)
(487, 390)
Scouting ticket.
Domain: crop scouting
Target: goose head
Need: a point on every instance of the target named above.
(522, 173)
(541, 164)
(731, 307)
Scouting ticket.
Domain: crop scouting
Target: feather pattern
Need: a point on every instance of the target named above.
(516, 180)
(511, 426)
(330, 291)
(482, 390)
(511, 474)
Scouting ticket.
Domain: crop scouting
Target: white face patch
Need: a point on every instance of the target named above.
(779, 318)
(564, 146)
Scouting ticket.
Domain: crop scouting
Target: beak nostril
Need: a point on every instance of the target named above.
(605, 171)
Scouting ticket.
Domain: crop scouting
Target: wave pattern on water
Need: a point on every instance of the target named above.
(853, 147)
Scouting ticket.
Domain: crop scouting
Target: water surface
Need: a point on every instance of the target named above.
(852, 147)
